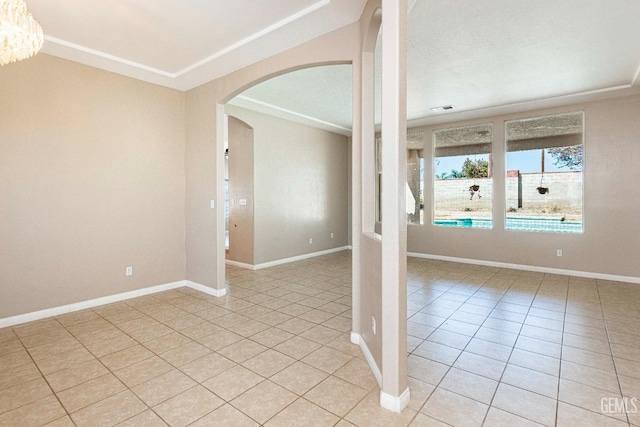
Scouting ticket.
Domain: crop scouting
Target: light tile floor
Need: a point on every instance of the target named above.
(487, 346)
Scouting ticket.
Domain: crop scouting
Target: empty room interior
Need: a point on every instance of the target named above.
(319, 213)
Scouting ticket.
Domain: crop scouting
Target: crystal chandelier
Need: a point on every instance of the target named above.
(20, 35)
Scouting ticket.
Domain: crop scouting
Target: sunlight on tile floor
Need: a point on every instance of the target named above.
(487, 346)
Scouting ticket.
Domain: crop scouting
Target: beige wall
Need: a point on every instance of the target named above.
(608, 245)
(241, 216)
(301, 187)
(204, 148)
(91, 180)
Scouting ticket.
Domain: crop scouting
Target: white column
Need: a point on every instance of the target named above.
(395, 393)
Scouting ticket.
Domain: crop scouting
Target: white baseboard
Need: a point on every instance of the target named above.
(357, 339)
(395, 403)
(70, 308)
(286, 260)
(206, 289)
(587, 274)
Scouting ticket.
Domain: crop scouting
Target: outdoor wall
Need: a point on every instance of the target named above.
(608, 244)
(92, 180)
(564, 195)
(300, 187)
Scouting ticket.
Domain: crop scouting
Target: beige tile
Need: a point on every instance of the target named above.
(109, 411)
(421, 420)
(150, 333)
(58, 346)
(339, 323)
(570, 416)
(480, 365)
(15, 376)
(302, 412)
(358, 372)
(488, 332)
(489, 349)
(343, 344)
(586, 397)
(90, 392)
(316, 316)
(207, 367)
(469, 385)
(426, 370)
(53, 337)
(188, 406)
(142, 371)
(268, 363)
(585, 343)
(264, 401)
(72, 376)
(437, 352)
(299, 377)
(335, 395)
(14, 359)
(108, 346)
(182, 355)
(37, 413)
(226, 415)
(167, 342)
(499, 418)
(200, 330)
(274, 318)
(61, 422)
(296, 326)
(271, 337)
(219, 339)
(525, 404)
(163, 387)
(590, 376)
(528, 379)
(233, 382)
(64, 360)
(10, 346)
(242, 350)
(451, 339)
(327, 359)
(535, 361)
(539, 346)
(583, 357)
(321, 334)
(454, 409)
(147, 418)
(369, 412)
(128, 356)
(419, 393)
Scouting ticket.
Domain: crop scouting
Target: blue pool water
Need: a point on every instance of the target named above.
(530, 224)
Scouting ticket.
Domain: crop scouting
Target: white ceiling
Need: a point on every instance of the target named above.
(183, 43)
(487, 57)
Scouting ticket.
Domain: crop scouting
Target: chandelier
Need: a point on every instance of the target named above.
(20, 35)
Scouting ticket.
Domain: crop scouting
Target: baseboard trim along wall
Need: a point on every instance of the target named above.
(70, 308)
(395, 403)
(587, 274)
(285, 260)
(357, 340)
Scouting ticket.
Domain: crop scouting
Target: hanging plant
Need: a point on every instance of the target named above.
(543, 190)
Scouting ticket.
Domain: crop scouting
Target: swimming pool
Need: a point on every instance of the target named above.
(527, 224)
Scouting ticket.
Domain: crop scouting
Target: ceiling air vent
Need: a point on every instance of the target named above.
(443, 108)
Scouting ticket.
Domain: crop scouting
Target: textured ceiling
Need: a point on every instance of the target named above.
(489, 57)
(483, 57)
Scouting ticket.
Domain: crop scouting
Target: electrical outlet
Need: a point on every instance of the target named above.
(559, 252)
(332, 235)
(310, 241)
(128, 271)
(373, 325)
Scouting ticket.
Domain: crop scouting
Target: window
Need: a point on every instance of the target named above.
(544, 173)
(415, 177)
(463, 186)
